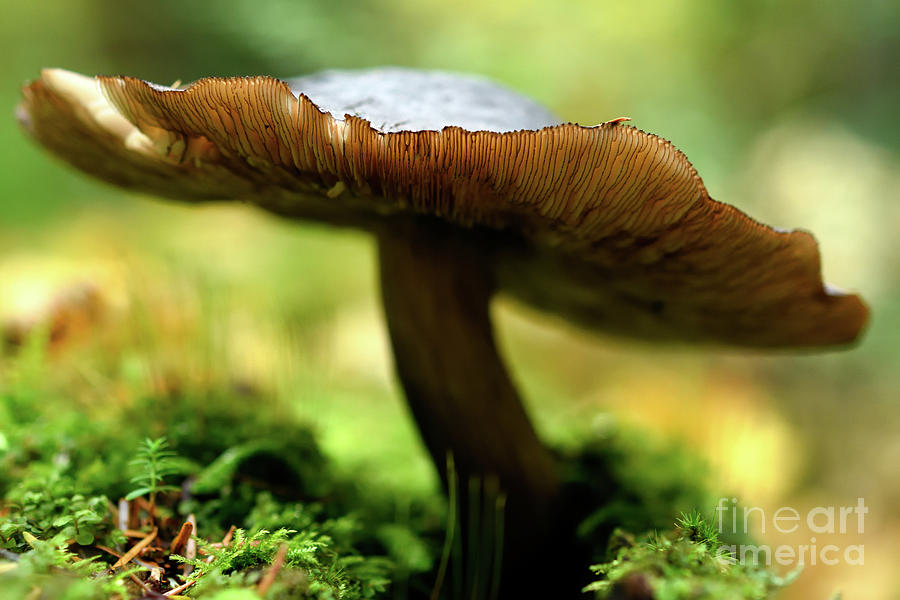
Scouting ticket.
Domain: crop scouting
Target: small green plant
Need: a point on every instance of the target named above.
(693, 526)
(50, 508)
(689, 562)
(49, 570)
(155, 462)
(327, 574)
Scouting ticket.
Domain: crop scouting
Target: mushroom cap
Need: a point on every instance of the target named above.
(607, 225)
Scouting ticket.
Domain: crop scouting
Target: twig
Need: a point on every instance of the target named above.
(184, 534)
(269, 578)
(190, 548)
(108, 550)
(135, 550)
(134, 533)
(225, 541)
(180, 588)
(131, 516)
(122, 513)
(114, 511)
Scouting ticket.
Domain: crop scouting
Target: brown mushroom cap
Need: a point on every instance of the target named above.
(607, 225)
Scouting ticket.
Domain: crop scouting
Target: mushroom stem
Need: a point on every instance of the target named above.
(436, 286)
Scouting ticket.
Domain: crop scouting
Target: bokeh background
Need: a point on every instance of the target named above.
(789, 110)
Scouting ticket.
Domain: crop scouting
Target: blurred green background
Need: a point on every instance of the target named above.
(789, 110)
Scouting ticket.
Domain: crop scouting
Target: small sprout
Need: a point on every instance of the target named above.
(155, 461)
(695, 528)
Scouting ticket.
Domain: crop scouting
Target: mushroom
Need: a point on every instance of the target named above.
(469, 189)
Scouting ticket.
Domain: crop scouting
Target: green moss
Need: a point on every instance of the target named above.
(689, 562)
(627, 479)
(49, 508)
(327, 574)
(47, 570)
(262, 471)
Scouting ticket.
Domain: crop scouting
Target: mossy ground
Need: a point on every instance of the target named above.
(273, 515)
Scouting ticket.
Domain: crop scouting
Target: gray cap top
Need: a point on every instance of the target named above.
(396, 99)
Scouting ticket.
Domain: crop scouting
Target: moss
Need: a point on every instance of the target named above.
(263, 472)
(688, 562)
(627, 479)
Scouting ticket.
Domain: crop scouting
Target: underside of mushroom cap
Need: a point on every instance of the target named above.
(606, 225)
